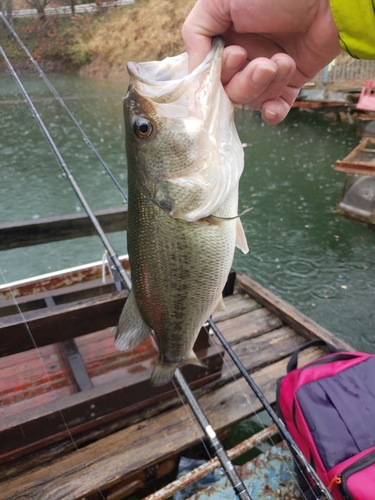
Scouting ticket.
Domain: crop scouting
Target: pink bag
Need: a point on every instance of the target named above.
(328, 407)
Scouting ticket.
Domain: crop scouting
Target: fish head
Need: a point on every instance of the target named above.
(182, 144)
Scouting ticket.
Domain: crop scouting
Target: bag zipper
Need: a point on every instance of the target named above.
(342, 478)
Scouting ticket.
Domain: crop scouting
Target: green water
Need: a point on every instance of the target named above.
(299, 248)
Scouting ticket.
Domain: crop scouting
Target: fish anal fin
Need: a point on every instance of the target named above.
(163, 373)
(241, 241)
(193, 360)
(131, 330)
(220, 306)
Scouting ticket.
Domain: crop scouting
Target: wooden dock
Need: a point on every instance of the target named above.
(129, 451)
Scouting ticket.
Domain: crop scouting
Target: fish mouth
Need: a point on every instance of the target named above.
(166, 81)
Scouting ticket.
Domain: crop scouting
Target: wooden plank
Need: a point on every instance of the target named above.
(58, 323)
(251, 324)
(361, 168)
(104, 463)
(261, 351)
(83, 410)
(62, 227)
(235, 305)
(79, 291)
(56, 280)
(289, 314)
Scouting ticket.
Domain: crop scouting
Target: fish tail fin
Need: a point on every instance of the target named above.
(163, 373)
(131, 330)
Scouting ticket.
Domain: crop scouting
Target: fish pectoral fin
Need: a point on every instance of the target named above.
(131, 330)
(241, 241)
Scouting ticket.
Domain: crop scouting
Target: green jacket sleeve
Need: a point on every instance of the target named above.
(355, 20)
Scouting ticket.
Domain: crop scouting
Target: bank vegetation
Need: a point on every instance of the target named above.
(99, 44)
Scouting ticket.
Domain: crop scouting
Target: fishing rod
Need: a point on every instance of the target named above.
(60, 100)
(237, 484)
(217, 447)
(301, 460)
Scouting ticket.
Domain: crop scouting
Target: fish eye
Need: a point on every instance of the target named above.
(142, 128)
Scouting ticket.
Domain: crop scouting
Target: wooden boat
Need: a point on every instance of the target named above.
(80, 419)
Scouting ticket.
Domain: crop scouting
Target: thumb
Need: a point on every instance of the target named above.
(204, 22)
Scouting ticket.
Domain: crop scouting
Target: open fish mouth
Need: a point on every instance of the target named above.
(196, 112)
(166, 81)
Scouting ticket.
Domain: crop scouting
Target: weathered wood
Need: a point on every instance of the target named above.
(55, 324)
(51, 282)
(235, 305)
(74, 362)
(288, 314)
(263, 350)
(71, 414)
(104, 463)
(360, 160)
(72, 293)
(251, 324)
(62, 227)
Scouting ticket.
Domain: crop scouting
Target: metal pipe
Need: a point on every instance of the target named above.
(298, 455)
(57, 96)
(211, 465)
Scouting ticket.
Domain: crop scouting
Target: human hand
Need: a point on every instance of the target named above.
(272, 47)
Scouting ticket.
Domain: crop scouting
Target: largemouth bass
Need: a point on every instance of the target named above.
(184, 163)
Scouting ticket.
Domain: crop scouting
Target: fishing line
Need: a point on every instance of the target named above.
(216, 445)
(45, 371)
(86, 140)
(194, 422)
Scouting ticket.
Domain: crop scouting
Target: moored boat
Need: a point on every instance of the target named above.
(80, 419)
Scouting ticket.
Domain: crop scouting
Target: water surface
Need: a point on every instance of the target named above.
(300, 248)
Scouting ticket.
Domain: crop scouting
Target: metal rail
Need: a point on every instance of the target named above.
(217, 447)
(86, 140)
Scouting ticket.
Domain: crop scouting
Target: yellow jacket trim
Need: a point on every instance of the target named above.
(355, 20)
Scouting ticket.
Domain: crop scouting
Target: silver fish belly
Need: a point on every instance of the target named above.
(184, 164)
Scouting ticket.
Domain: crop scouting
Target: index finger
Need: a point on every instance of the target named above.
(205, 21)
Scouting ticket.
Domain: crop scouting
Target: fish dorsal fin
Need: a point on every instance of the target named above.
(241, 241)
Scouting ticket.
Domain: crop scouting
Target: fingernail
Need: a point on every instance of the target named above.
(233, 61)
(284, 69)
(270, 115)
(262, 75)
